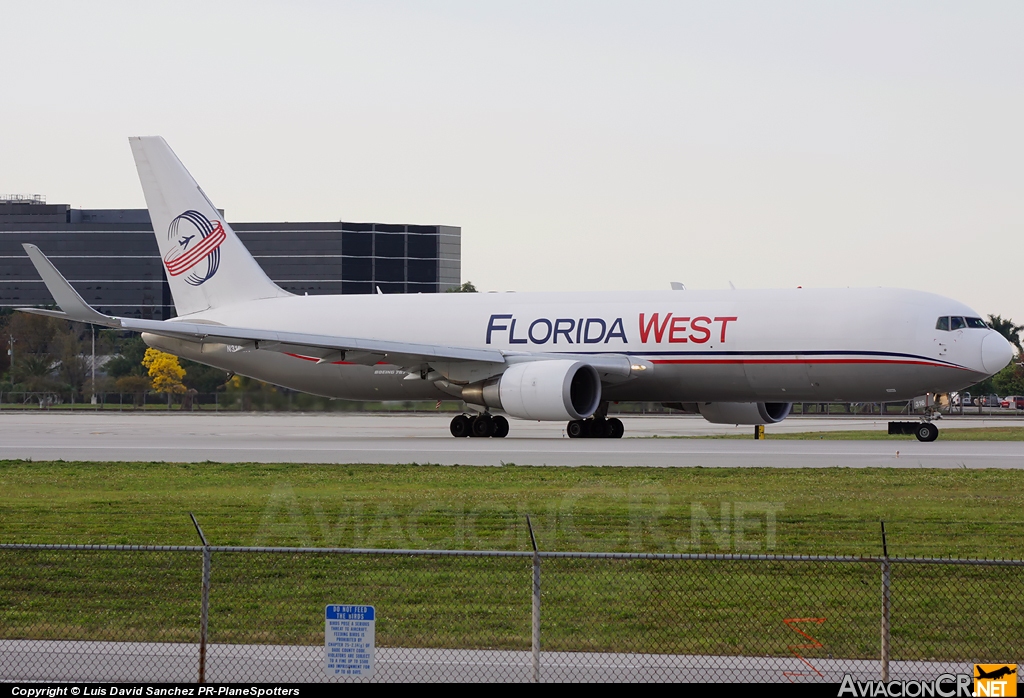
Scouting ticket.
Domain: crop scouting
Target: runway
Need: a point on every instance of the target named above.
(363, 438)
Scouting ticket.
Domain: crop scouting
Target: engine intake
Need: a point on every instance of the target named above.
(744, 412)
(552, 390)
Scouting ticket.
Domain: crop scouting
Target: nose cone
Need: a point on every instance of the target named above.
(996, 352)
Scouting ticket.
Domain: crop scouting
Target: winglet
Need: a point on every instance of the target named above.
(67, 297)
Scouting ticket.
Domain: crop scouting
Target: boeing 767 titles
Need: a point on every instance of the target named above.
(736, 356)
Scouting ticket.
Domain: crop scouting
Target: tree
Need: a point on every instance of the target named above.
(33, 333)
(1009, 381)
(243, 389)
(1008, 329)
(34, 361)
(203, 378)
(129, 352)
(33, 374)
(165, 373)
(467, 287)
(70, 350)
(6, 315)
(102, 384)
(138, 386)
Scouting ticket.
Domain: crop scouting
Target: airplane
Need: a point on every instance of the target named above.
(995, 673)
(732, 356)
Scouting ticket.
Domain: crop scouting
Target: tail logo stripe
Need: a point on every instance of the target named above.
(184, 257)
(198, 253)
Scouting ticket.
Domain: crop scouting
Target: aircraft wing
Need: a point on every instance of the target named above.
(324, 347)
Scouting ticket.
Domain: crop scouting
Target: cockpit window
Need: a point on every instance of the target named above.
(958, 323)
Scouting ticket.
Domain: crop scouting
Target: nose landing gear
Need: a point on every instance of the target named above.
(480, 426)
(924, 431)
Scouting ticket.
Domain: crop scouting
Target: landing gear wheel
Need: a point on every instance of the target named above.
(615, 428)
(460, 426)
(927, 432)
(576, 429)
(598, 428)
(482, 426)
(500, 427)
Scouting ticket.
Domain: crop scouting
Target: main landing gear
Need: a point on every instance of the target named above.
(481, 425)
(596, 428)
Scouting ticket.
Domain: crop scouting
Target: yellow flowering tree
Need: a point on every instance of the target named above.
(165, 372)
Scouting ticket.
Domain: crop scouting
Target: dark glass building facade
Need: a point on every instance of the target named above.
(110, 256)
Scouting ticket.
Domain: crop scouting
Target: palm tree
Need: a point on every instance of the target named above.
(467, 287)
(1007, 329)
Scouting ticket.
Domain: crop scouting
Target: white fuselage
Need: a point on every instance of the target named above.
(786, 345)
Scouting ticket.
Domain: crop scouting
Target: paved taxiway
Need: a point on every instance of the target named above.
(362, 438)
(48, 660)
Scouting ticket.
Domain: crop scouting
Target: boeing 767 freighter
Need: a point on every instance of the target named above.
(735, 357)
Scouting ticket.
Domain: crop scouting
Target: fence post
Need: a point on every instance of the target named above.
(535, 625)
(885, 608)
(204, 611)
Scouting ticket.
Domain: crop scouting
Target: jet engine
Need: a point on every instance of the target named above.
(744, 412)
(736, 412)
(552, 390)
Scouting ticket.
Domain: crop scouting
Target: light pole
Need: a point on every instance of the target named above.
(93, 389)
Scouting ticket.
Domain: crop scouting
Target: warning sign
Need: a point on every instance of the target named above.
(349, 640)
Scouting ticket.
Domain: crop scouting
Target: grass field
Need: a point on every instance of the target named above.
(678, 607)
(973, 513)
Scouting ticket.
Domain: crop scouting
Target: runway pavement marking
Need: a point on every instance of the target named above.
(496, 450)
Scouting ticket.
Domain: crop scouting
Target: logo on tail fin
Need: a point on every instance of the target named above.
(189, 252)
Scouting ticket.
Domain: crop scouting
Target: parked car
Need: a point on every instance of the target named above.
(962, 400)
(989, 401)
(1013, 402)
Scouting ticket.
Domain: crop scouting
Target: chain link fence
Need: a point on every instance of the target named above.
(233, 614)
(272, 399)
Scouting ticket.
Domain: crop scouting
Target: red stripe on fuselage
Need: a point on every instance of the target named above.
(738, 361)
(313, 358)
(805, 361)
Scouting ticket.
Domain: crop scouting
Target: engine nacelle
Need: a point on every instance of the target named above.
(552, 390)
(744, 412)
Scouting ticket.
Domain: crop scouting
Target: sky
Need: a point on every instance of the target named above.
(579, 145)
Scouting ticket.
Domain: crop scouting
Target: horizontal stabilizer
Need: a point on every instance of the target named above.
(67, 297)
(43, 311)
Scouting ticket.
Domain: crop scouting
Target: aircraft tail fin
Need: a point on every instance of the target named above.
(207, 266)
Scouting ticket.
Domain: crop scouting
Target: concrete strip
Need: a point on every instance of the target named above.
(68, 660)
(344, 438)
